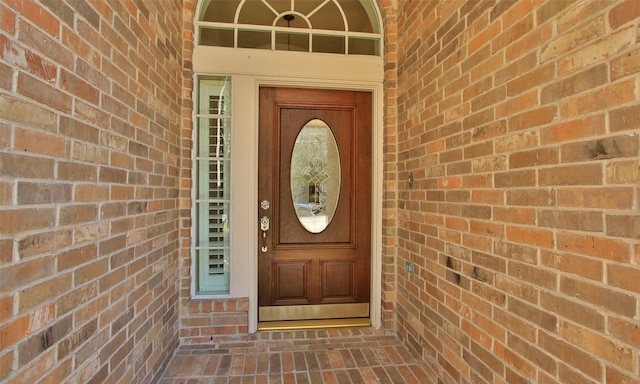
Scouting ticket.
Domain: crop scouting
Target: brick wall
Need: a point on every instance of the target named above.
(201, 321)
(520, 122)
(390, 167)
(90, 113)
(210, 321)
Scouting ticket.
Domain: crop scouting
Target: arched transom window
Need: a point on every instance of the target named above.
(320, 26)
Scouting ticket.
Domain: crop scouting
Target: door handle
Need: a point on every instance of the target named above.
(264, 227)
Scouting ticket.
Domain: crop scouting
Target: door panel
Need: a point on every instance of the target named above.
(291, 282)
(297, 268)
(338, 280)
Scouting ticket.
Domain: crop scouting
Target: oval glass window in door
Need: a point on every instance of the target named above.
(315, 176)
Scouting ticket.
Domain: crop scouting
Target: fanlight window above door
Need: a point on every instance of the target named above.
(319, 26)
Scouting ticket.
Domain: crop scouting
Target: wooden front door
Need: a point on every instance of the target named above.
(306, 272)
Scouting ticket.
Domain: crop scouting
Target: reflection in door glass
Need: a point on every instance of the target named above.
(315, 176)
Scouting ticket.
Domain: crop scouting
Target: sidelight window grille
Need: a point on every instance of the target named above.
(212, 184)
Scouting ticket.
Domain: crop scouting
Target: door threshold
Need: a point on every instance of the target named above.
(312, 324)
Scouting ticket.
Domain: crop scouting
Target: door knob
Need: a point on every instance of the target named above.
(264, 227)
(264, 224)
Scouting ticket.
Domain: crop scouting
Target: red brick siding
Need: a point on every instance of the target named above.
(209, 320)
(201, 320)
(389, 207)
(519, 123)
(90, 118)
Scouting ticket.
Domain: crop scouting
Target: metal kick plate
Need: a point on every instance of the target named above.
(309, 312)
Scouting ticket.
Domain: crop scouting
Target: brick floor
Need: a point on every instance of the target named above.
(332, 356)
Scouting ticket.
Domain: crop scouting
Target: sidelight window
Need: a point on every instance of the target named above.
(212, 184)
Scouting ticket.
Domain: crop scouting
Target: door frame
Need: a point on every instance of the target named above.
(251, 69)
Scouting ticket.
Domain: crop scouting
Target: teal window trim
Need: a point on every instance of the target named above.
(212, 185)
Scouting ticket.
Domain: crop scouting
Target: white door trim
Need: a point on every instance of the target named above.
(251, 69)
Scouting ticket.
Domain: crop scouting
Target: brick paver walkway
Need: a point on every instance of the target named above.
(340, 356)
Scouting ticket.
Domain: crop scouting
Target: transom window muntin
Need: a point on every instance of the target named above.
(319, 26)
